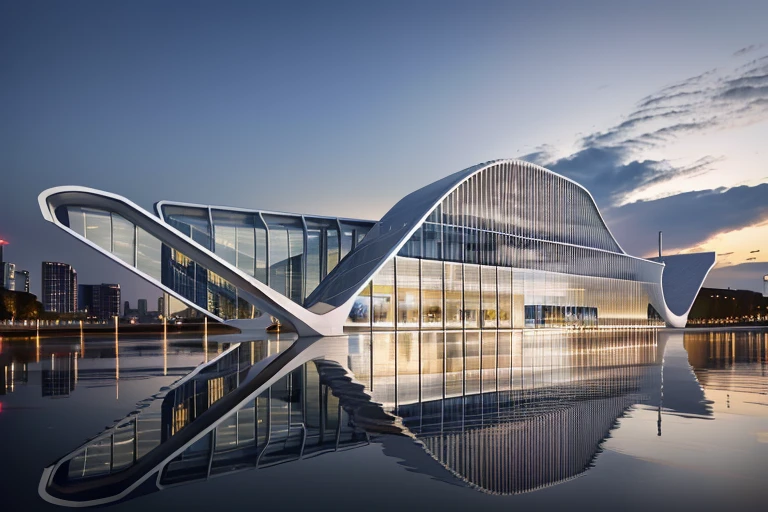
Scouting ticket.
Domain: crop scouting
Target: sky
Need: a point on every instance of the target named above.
(660, 109)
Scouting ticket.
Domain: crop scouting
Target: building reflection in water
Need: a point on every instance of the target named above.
(529, 410)
(552, 403)
(59, 375)
(255, 405)
(731, 367)
(59, 367)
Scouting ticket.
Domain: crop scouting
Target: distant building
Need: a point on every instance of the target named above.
(765, 286)
(59, 287)
(9, 276)
(22, 280)
(99, 301)
(161, 305)
(718, 306)
(141, 314)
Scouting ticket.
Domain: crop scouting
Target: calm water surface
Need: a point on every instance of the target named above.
(598, 420)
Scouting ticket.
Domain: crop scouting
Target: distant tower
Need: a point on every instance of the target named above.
(59, 287)
(8, 279)
(660, 244)
(765, 286)
(22, 280)
(5, 269)
(127, 309)
(142, 307)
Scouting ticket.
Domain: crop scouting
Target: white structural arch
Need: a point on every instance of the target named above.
(562, 217)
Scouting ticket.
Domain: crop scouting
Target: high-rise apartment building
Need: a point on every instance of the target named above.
(9, 276)
(99, 301)
(22, 280)
(59, 287)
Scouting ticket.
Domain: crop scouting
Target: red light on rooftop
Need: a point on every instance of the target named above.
(4, 242)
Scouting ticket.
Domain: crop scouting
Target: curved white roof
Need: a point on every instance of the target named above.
(386, 238)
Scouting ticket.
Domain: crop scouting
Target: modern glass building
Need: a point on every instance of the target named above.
(502, 245)
(59, 287)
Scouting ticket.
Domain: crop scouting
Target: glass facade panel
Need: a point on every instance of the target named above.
(489, 361)
(454, 295)
(221, 296)
(123, 239)
(148, 254)
(432, 370)
(431, 294)
(314, 259)
(347, 241)
(235, 238)
(407, 367)
(332, 246)
(98, 228)
(433, 241)
(471, 362)
(278, 260)
(360, 314)
(286, 256)
(408, 296)
(384, 368)
(76, 219)
(383, 296)
(226, 243)
(261, 254)
(504, 360)
(504, 281)
(296, 276)
(488, 297)
(454, 364)
(191, 221)
(471, 296)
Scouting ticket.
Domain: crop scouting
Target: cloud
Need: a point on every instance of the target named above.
(744, 92)
(603, 171)
(713, 99)
(687, 219)
(612, 163)
(747, 49)
(746, 276)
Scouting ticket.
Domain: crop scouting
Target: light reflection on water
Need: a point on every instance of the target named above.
(508, 414)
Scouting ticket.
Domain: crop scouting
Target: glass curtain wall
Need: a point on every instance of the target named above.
(517, 215)
(520, 247)
(240, 239)
(286, 256)
(486, 297)
(138, 248)
(194, 222)
(289, 253)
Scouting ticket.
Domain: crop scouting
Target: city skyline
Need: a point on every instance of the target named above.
(667, 135)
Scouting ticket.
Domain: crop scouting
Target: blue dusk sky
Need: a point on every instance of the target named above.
(341, 108)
